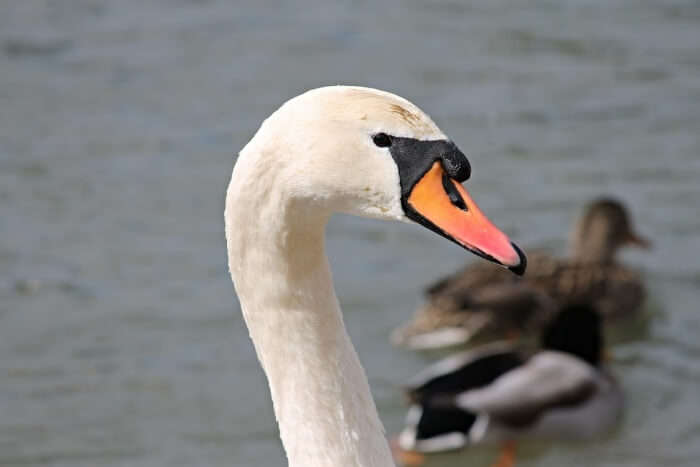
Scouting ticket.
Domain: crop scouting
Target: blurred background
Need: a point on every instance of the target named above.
(121, 341)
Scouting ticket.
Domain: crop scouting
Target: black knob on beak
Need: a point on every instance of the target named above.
(456, 164)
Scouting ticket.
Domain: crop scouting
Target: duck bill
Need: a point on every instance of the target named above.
(637, 240)
(441, 204)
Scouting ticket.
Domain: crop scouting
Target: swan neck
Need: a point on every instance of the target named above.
(319, 389)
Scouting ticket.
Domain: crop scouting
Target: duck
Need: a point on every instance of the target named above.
(480, 303)
(501, 393)
(357, 151)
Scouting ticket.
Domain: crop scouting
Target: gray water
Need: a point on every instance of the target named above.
(121, 341)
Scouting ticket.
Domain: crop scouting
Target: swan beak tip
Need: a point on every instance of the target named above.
(441, 204)
(520, 268)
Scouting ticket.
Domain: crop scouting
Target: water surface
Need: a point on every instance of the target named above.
(121, 341)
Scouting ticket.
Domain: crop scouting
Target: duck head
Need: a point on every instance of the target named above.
(370, 153)
(577, 330)
(602, 230)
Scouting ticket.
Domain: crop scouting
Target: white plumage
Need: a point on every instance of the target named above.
(314, 156)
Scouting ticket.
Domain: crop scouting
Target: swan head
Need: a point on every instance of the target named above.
(371, 153)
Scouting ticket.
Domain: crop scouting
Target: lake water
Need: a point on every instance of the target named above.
(121, 341)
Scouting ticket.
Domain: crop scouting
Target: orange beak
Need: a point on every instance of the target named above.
(451, 212)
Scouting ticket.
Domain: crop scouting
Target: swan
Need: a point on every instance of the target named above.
(335, 149)
(480, 302)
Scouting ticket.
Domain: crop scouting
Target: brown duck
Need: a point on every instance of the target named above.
(482, 302)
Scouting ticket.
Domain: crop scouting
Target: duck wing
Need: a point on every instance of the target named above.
(612, 288)
(433, 422)
(470, 277)
(519, 397)
(487, 286)
(463, 371)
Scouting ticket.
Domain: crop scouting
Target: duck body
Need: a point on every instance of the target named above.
(499, 393)
(480, 302)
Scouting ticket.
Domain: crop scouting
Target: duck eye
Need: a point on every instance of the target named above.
(382, 140)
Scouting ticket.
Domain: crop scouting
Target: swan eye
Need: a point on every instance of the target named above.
(382, 140)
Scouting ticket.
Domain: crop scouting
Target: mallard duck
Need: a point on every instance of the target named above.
(497, 393)
(336, 149)
(480, 301)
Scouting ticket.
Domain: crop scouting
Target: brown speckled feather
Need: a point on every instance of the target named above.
(489, 302)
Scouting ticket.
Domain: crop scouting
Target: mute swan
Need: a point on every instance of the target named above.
(498, 393)
(480, 302)
(335, 149)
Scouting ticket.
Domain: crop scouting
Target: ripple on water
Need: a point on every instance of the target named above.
(519, 42)
(28, 47)
(121, 340)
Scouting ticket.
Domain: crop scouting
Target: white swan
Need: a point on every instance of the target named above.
(353, 150)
